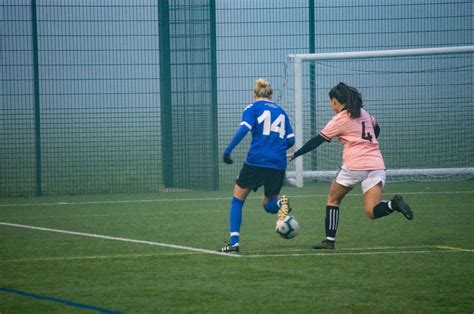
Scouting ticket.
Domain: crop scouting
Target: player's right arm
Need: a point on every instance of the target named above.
(290, 135)
(377, 130)
(376, 126)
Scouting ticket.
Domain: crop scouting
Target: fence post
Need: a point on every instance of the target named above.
(165, 94)
(34, 38)
(298, 120)
(312, 79)
(215, 138)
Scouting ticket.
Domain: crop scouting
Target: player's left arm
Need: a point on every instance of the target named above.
(309, 146)
(332, 129)
(248, 118)
(239, 135)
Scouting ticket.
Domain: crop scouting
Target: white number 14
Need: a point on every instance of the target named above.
(277, 126)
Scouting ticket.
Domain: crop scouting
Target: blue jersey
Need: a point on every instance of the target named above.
(272, 134)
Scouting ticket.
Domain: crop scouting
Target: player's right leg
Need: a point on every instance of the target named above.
(283, 207)
(273, 183)
(399, 204)
(385, 208)
(271, 204)
(375, 208)
(373, 205)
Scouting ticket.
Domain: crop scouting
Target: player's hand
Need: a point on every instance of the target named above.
(290, 157)
(226, 158)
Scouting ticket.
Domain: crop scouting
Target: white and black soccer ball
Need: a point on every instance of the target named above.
(288, 228)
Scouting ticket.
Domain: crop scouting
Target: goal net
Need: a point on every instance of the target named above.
(423, 100)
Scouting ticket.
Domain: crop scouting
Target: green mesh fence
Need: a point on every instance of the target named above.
(189, 98)
(132, 96)
(17, 127)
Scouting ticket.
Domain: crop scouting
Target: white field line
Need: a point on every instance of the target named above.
(194, 212)
(187, 212)
(215, 199)
(92, 235)
(353, 253)
(451, 248)
(369, 251)
(399, 250)
(92, 257)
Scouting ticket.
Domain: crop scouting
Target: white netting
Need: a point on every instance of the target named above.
(423, 103)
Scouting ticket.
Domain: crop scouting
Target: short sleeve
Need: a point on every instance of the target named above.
(248, 117)
(374, 122)
(289, 130)
(331, 129)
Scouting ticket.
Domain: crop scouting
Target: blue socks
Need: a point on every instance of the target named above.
(235, 216)
(235, 220)
(272, 206)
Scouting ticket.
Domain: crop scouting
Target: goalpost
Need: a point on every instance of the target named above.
(422, 98)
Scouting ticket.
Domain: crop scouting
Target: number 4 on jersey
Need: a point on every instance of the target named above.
(277, 126)
(366, 136)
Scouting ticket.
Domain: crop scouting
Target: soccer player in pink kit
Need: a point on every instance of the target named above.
(362, 161)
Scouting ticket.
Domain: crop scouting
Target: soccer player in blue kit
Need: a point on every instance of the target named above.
(266, 160)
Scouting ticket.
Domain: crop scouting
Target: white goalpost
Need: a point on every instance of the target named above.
(423, 99)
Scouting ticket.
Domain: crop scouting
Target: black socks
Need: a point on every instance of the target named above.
(382, 209)
(332, 221)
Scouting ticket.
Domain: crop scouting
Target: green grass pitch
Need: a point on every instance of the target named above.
(386, 265)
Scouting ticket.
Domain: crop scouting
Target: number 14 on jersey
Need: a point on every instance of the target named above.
(277, 126)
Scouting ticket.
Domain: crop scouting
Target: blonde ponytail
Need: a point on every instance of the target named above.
(263, 89)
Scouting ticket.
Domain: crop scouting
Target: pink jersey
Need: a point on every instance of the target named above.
(361, 148)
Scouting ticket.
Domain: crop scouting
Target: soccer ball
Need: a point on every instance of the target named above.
(288, 228)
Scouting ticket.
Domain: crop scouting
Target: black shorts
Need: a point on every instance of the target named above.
(253, 177)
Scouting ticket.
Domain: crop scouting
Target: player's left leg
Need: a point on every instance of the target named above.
(235, 213)
(235, 219)
(337, 192)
